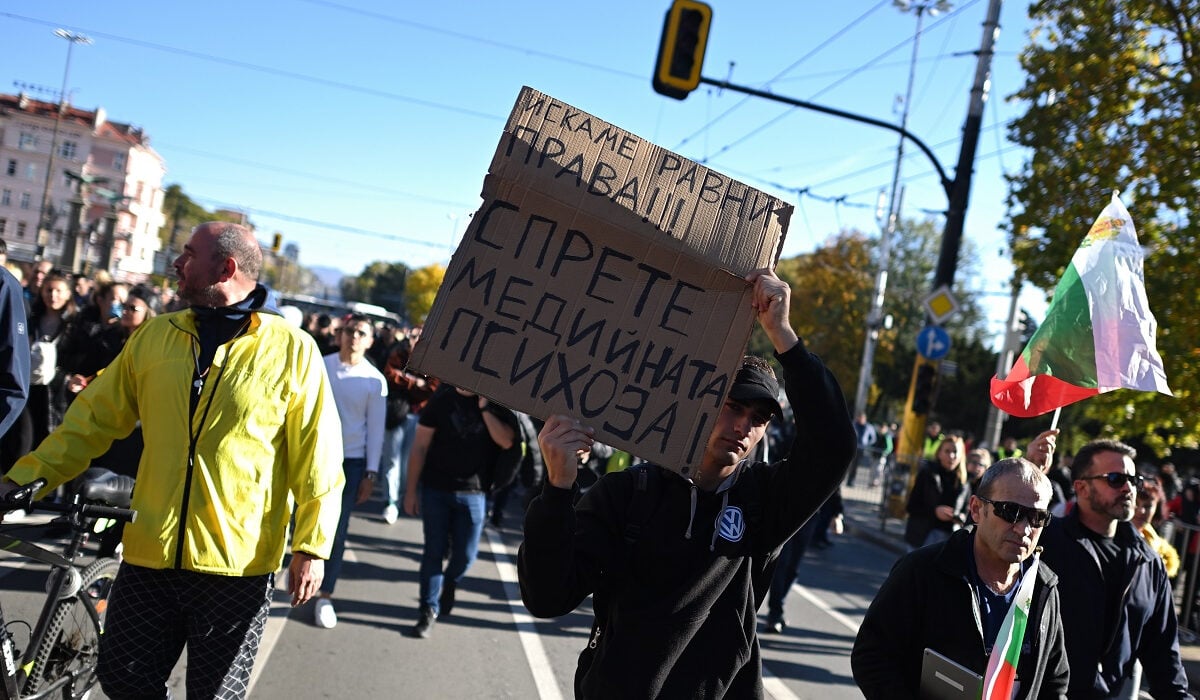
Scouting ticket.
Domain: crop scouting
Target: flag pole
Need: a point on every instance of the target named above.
(1054, 420)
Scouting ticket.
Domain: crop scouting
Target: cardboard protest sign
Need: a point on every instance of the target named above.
(603, 278)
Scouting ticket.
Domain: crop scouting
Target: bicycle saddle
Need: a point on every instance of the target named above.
(109, 488)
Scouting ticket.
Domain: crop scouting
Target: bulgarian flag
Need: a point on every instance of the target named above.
(1002, 665)
(1099, 332)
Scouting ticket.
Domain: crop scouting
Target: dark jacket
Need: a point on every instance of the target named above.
(1145, 628)
(14, 352)
(933, 487)
(676, 607)
(929, 601)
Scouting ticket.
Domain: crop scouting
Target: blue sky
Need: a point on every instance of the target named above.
(362, 129)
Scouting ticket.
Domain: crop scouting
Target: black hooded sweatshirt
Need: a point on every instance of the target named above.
(676, 606)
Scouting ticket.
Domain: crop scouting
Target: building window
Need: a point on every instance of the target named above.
(3, 226)
(30, 171)
(6, 198)
(25, 200)
(68, 149)
(119, 162)
(20, 229)
(28, 141)
(11, 169)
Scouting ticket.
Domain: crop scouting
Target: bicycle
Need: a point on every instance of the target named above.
(64, 645)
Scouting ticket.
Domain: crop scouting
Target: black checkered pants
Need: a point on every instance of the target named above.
(153, 613)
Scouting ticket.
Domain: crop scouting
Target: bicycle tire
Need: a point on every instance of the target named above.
(72, 643)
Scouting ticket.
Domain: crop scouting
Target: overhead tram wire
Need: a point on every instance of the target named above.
(781, 73)
(337, 84)
(477, 39)
(323, 224)
(313, 176)
(829, 87)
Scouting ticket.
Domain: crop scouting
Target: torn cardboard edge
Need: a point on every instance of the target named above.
(564, 299)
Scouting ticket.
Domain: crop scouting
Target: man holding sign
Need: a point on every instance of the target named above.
(679, 566)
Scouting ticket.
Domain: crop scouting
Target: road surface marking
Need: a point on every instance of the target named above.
(535, 653)
(776, 687)
(826, 608)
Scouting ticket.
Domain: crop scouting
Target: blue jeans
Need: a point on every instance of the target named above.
(353, 468)
(451, 519)
(396, 444)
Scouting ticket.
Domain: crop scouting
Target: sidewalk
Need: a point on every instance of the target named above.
(861, 504)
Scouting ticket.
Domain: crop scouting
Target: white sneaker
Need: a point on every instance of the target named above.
(324, 614)
(391, 514)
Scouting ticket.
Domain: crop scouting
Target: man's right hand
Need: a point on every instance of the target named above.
(565, 442)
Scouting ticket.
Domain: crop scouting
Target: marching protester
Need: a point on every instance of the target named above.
(241, 434)
(938, 501)
(923, 604)
(678, 567)
(1118, 585)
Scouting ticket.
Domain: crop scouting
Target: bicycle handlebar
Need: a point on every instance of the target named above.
(21, 498)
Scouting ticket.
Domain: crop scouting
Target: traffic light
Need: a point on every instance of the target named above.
(681, 51)
(276, 243)
(923, 388)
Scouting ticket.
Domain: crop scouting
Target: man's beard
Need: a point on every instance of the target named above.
(204, 296)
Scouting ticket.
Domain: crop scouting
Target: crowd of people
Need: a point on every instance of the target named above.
(254, 432)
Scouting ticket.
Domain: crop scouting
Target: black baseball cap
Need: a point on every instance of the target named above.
(754, 383)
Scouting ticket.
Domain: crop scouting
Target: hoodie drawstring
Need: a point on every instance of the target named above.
(692, 514)
(712, 546)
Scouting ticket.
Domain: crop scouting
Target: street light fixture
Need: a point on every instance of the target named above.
(874, 316)
(44, 224)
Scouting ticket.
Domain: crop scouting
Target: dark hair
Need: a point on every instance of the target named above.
(324, 321)
(148, 297)
(56, 276)
(353, 319)
(1020, 467)
(1083, 458)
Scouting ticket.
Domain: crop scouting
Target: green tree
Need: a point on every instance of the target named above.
(182, 214)
(379, 283)
(1109, 100)
(421, 290)
(831, 296)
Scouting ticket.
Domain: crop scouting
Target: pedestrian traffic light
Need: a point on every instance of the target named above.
(923, 388)
(681, 50)
(276, 243)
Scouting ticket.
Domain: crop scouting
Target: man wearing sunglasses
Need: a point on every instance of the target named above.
(952, 597)
(1119, 610)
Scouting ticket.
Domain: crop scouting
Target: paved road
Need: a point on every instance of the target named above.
(489, 647)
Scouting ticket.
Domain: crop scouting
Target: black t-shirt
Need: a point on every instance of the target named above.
(461, 449)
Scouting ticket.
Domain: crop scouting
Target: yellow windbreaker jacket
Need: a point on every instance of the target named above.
(215, 490)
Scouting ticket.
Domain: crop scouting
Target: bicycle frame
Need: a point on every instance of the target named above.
(15, 676)
(65, 583)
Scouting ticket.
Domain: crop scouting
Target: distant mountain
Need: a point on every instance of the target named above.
(331, 277)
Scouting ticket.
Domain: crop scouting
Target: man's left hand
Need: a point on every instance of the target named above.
(305, 573)
(366, 487)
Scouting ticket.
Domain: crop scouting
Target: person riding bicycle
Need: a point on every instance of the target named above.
(239, 424)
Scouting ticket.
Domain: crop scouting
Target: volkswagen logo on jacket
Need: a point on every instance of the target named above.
(732, 524)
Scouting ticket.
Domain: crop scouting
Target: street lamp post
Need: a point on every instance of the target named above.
(875, 315)
(44, 222)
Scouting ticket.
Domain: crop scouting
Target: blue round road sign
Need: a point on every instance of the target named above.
(933, 343)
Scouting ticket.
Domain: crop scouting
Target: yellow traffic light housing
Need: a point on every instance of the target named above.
(681, 51)
(276, 242)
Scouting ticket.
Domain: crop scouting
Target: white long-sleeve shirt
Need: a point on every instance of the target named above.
(360, 392)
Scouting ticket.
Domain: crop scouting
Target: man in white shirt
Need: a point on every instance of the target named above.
(360, 392)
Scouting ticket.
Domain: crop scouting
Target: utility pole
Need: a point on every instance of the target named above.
(1004, 362)
(910, 449)
(875, 315)
(44, 222)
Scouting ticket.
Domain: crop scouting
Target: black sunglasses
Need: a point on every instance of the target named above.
(1015, 512)
(1118, 479)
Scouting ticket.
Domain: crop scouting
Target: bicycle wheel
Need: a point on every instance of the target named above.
(72, 643)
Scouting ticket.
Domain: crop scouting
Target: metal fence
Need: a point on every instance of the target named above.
(1186, 540)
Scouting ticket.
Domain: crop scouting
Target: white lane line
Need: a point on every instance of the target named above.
(281, 607)
(812, 598)
(535, 653)
(775, 687)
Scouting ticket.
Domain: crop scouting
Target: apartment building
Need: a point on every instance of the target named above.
(122, 214)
